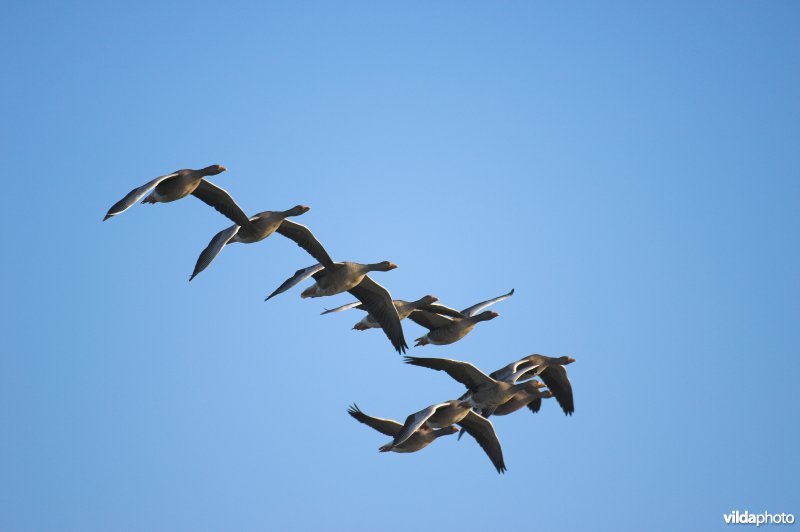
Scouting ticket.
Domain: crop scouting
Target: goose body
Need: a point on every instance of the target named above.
(531, 399)
(444, 330)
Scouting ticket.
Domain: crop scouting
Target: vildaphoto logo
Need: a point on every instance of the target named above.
(746, 518)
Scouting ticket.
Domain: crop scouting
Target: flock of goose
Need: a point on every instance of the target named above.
(500, 393)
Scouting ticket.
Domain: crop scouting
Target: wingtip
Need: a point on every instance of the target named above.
(107, 216)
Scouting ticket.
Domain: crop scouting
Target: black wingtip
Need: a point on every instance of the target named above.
(512, 292)
(107, 216)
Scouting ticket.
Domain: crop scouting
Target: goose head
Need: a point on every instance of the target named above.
(214, 169)
(297, 210)
(384, 266)
(486, 315)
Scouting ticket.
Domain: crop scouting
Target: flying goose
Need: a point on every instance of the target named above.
(447, 326)
(449, 413)
(530, 398)
(550, 369)
(336, 277)
(260, 227)
(444, 330)
(404, 308)
(418, 440)
(179, 184)
(485, 393)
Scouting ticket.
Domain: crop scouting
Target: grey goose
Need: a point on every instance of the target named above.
(485, 393)
(417, 441)
(447, 326)
(550, 369)
(456, 412)
(179, 184)
(337, 277)
(260, 227)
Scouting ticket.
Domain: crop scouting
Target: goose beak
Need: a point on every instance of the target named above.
(222, 169)
(392, 265)
(570, 360)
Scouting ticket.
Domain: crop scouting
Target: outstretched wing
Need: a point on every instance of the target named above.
(505, 373)
(436, 308)
(385, 426)
(414, 422)
(355, 304)
(378, 302)
(482, 430)
(557, 381)
(298, 277)
(213, 248)
(463, 372)
(304, 238)
(135, 195)
(474, 309)
(535, 405)
(216, 197)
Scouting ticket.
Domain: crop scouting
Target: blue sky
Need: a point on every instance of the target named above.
(631, 169)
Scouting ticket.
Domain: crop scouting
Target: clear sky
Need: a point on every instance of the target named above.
(632, 170)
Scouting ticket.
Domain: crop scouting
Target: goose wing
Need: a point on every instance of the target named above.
(557, 381)
(213, 248)
(463, 372)
(414, 422)
(304, 238)
(385, 426)
(504, 373)
(535, 405)
(482, 430)
(216, 197)
(429, 320)
(355, 304)
(436, 308)
(135, 195)
(298, 277)
(378, 302)
(474, 309)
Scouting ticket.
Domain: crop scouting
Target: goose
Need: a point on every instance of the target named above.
(417, 441)
(531, 399)
(550, 369)
(336, 277)
(444, 330)
(260, 227)
(447, 326)
(404, 308)
(485, 393)
(471, 310)
(179, 184)
(445, 414)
